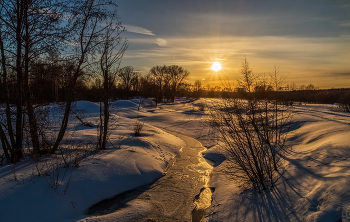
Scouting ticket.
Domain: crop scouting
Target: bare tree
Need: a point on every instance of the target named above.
(158, 73)
(33, 28)
(197, 85)
(87, 18)
(293, 87)
(253, 132)
(42, 21)
(127, 74)
(11, 151)
(168, 78)
(135, 82)
(310, 87)
(112, 51)
(177, 76)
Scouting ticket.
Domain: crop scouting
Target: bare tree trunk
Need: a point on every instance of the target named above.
(86, 44)
(155, 92)
(64, 124)
(6, 94)
(106, 110)
(173, 91)
(70, 96)
(19, 121)
(31, 116)
(110, 59)
(6, 146)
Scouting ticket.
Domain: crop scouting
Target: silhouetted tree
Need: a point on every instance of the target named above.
(167, 80)
(89, 19)
(112, 51)
(197, 85)
(253, 132)
(177, 76)
(127, 75)
(310, 87)
(33, 28)
(158, 73)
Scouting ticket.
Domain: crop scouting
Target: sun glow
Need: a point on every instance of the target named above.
(216, 66)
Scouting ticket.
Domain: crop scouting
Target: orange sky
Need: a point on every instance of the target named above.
(308, 40)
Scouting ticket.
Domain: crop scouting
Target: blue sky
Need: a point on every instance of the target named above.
(308, 39)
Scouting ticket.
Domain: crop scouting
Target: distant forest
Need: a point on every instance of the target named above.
(48, 83)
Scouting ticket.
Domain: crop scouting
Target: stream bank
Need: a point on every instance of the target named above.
(182, 194)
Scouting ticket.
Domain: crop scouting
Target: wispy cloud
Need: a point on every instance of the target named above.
(161, 42)
(136, 29)
(345, 24)
(340, 74)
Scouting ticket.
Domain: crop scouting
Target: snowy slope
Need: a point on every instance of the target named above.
(315, 185)
(132, 163)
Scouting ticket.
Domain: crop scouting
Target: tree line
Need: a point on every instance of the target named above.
(48, 84)
(287, 93)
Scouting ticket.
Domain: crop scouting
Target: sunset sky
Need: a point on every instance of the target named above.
(308, 39)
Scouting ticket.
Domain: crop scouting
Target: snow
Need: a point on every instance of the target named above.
(314, 187)
(132, 211)
(126, 103)
(134, 161)
(87, 106)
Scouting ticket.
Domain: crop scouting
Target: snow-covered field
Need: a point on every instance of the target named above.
(134, 161)
(314, 187)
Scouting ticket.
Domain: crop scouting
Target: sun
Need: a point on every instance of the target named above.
(216, 66)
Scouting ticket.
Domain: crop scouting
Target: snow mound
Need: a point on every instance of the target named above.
(215, 154)
(199, 102)
(131, 162)
(137, 101)
(87, 106)
(126, 103)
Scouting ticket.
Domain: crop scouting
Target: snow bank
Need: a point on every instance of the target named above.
(132, 163)
(315, 185)
(215, 154)
(87, 106)
(126, 103)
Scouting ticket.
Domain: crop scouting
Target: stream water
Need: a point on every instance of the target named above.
(183, 194)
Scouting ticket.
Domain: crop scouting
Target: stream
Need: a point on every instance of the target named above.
(182, 194)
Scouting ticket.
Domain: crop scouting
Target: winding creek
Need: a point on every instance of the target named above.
(182, 194)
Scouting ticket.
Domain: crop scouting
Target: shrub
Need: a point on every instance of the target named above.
(344, 103)
(138, 127)
(201, 107)
(253, 134)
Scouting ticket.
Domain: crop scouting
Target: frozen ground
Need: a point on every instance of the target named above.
(132, 162)
(315, 186)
